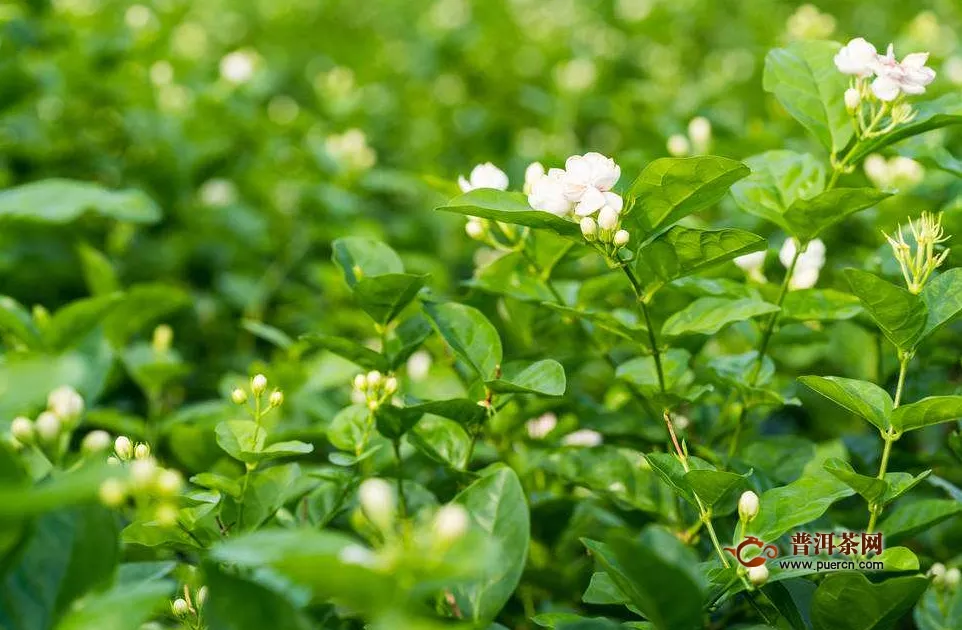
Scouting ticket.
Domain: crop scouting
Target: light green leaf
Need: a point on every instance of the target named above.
(849, 601)
(362, 356)
(870, 488)
(800, 502)
(497, 506)
(901, 315)
(909, 519)
(708, 315)
(926, 412)
(69, 325)
(384, 297)
(669, 189)
(778, 179)
(16, 320)
(509, 207)
(545, 377)
(124, 607)
(712, 486)
(807, 217)
(943, 299)
(441, 440)
(351, 429)
(60, 201)
(470, 335)
(866, 400)
(361, 257)
(804, 79)
(819, 305)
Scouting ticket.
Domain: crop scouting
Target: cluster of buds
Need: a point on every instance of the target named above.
(606, 230)
(374, 389)
(51, 430)
(258, 387)
(945, 578)
(153, 486)
(184, 607)
(918, 263)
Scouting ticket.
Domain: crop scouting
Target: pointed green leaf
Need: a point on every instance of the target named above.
(870, 488)
(800, 502)
(712, 486)
(819, 305)
(849, 601)
(545, 377)
(806, 218)
(510, 207)
(61, 201)
(866, 400)
(360, 257)
(362, 356)
(926, 412)
(943, 299)
(469, 333)
(901, 315)
(708, 315)
(778, 179)
(909, 519)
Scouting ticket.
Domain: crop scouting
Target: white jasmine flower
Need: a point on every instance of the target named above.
(699, 130)
(123, 447)
(532, 174)
(548, 193)
(485, 175)
(22, 429)
(474, 228)
(594, 201)
(905, 172)
(65, 402)
(678, 145)
(589, 171)
(589, 228)
(95, 442)
(378, 502)
(809, 264)
(910, 76)
(608, 218)
(48, 426)
(582, 437)
(451, 522)
(541, 426)
(751, 263)
(358, 555)
(858, 57)
(218, 192)
(418, 365)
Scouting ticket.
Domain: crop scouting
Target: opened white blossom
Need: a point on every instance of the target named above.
(485, 175)
(548, 193)
(591, 172)
(909, 77)
(582, 437)
(538, 428)
(858, 57)
(532, 174)
(595, 201)
(752, 263)
(809, 263)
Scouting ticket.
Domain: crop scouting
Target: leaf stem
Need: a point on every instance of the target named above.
(402, 502)
(889, 437)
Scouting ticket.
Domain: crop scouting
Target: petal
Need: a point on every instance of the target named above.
(885, 88)
(614, 201)
(464, 184)
(577, 169)
(592, 201)
(915, 60)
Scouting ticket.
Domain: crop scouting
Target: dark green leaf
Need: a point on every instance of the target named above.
(470, 335)
(901, 315)
(362, 356)
(807, 217)
(545, 377)
(943, 299)
(849, 601)
(926, 412)
(866, 400)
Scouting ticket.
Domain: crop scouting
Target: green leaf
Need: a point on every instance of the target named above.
(15, 320)
(926, 412)
(683, 251)
(384, 297)
(669, 189)
(469, 333)
(849, 601)
(241, 439)
(870, 488)
(778, 180)
(99, 273)
(866, 400)
(671, 471)
(941, 112)
(463, 411)
(408, 337)
(143, 305)
(545, 377)
(900, 315)
(351, 429)
(239, 602)
(804, 79)
(496, 504)
(807, 217)
(360, 257)
(62, 490)
(509, 207)
(658, 573)
(442, 440)
(270, 334)
(393, 422)
(124, 607)
(800, 502)
(712, 486)
(603, 590)
(362, 356)
(943, 299)
(899, 483)
(909, 519)
(512, 275)
(60, 201)
(69, 325)
(708, 315)
(819, 305)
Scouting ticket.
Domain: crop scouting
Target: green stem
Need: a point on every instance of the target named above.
(889, 437)
(402, 503)
(652, 338)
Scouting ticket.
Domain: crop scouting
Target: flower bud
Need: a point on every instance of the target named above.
(201, 595)
(952, 577)
(163, 338)
(48, 426)
(179, 608)
(474, 229)
(258, 384)
(607, 218)
(450, 523)
(758, 575)
(113, 461)
(168, 482)
(373, 378)
(589, 229)
(377, 501)
(852, 99)
(621, 238)
(112, 492)
(748, 506)
(360, 382)
(22, 430)
(937, 573)
(142, 472)
(699, 130)
(123, 447)
(239, 396)
(390, 385)
(66, 403)
(678, 145)
(95, 442)
(142, 451)
(902, 113)
(277, 398)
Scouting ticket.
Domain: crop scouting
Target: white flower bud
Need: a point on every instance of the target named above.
(360, 382)
(748, 506)
(113, 461)
(258, 384)
(699, 130)
(239, 396)
(22, 429)
(373, 378)
(758, 575)
(123, 447)
(277, 398)
(589, 229)
(852, 99)
(952, 577)
(937, 572)
(112, 492)
(168, 482)
(163, 338)
(621, 238)
(474, 228)
(678, 145)
(390, 385)
(201, 595)
(48, 426)
(95, 442)
(179, 608)
(142, 451)
(450, 523)
(377, 501)
(607, 218)
(66, 403)
(142, 472)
